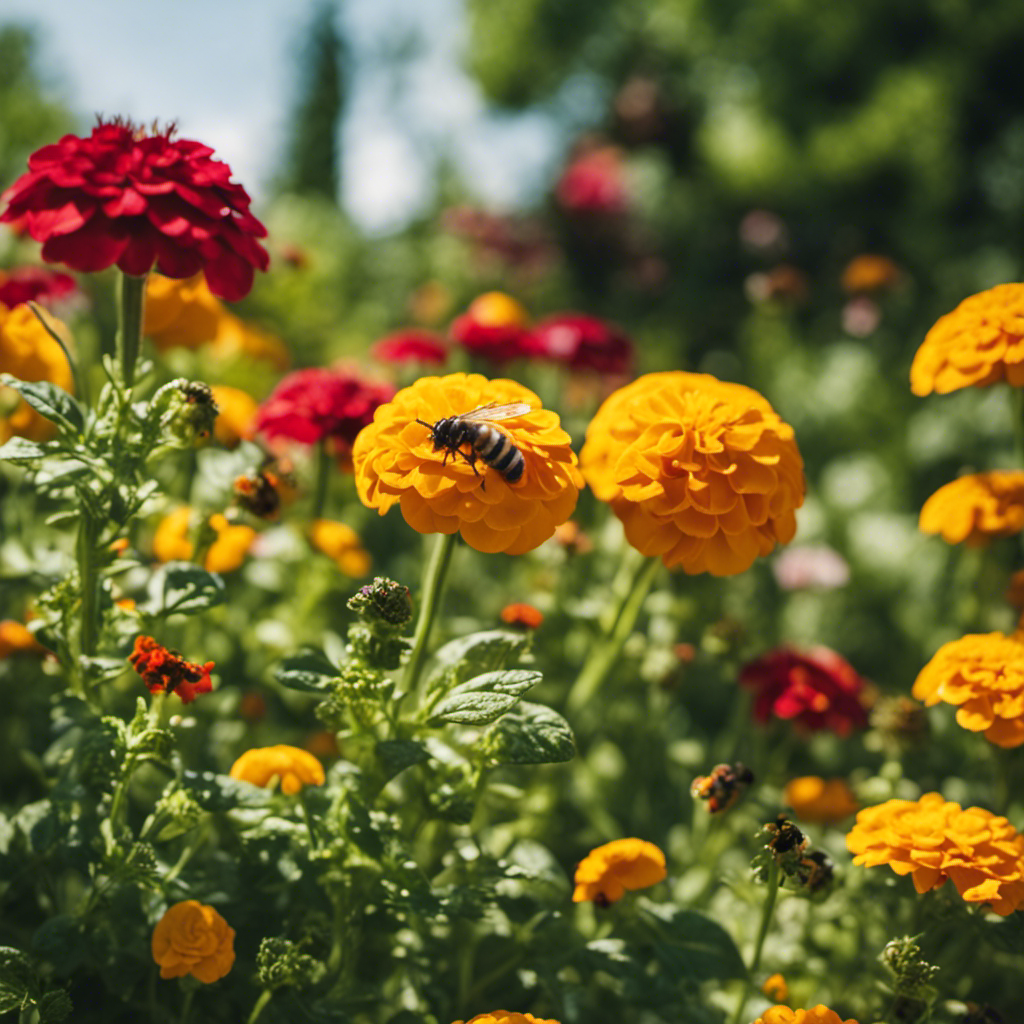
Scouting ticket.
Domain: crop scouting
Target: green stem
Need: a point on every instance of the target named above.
(186, 1007)
(770, 896)
(430, 594)
(88, 571)
(606, 653)
(323, 470)
(265, 996)
(131, 296)
(313, 842)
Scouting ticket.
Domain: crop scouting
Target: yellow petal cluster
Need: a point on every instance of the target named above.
(192, 938)
(933, 839)
(293, 766)
(28, 353)
(395, 463)
(775, 988)
(506, 1017)
(703, 473)
(979, 343)
(342, 545)
(975, 508)
(236, 415)
(604, 875)
(181, 313)
(819, 800)
(172, 541)
(982, 676)
(819, 1014)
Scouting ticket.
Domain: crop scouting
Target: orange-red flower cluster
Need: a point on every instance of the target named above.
(494, 327)
(519, 614)
(165, 671)
(583, 343)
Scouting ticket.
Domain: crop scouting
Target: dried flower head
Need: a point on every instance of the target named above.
(165, 671)
(815, 799)
(979, 343)
(604, 875)
(976, 508)
(702, 473)
(293, 766)
(819, 1014)
(396, 462)
(932, 840)
(982, 676)
(122, 196)
(192, 938)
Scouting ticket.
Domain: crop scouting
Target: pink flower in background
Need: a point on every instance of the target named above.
(810, 565)
(411, 346)
(584, 343)
(35, 284)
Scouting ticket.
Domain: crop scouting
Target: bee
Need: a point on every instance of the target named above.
(477, 429)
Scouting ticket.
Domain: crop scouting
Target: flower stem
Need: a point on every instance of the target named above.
(430, 593)
(131, 295)
(313, 843)
(265, 996)
(606, 653)
(323, 469)
(88, 572)
(770, 896)
(186, 1006)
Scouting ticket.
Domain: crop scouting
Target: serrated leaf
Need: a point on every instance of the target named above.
(473, 708)
(17, 978)
(21, 451)
(513, 682)
(49, 401)
(311, 672)
(215, 792)
(692, 945)
(479, 652)
(395, 756)
(183, 589)
(531, 734)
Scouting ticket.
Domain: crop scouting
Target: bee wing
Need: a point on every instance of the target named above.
(496, 411)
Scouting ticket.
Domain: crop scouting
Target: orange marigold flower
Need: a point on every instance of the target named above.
(867, 273)
(982, 676)
(702, 473)
(172, 541)
(15, 638)
(29, 353)
(506, 1017)
(181, 314)
(522, 615)
(823, 800)
(192, 938)
(932, 839)
(979, 343)
(976, 508)
(294, 767)
(236, 415)
(604, 875)
(776, 989)
(342, 545)
(819, 1014)
(165, 671)
(396, 462)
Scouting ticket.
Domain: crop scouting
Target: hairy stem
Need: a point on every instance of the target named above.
(131, 303)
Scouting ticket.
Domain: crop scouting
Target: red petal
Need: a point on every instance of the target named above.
(175, 260)
(127, 203)
(229, 276)
(95, 247)
(140, 254)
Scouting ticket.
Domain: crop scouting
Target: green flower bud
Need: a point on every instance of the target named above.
(186, 411)
(280, 964)
(177, 813)
(384, 605)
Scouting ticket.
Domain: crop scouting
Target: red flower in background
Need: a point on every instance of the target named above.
(584, 343)
(818, 689)
(120, 196)
(34, 284)
(495, 327)
(593, 182)
(411, 346)
(315, 405)
(165, 671)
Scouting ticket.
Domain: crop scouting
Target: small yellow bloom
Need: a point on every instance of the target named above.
(496, 309)
(342, 545)
(192, 938)
(294, 767)
(868, 273)
(236, 415)
(776, 989)
(604, 875)
(172, 541)
(181, 313)
(821, 800)
(16, 639)
(237, 339)
(819, 1014)
(506, 1017)
(976, 508)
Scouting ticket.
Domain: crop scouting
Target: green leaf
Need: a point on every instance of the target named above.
(531, 734)
(50, 401)
(54, 1006)
(311, 672)
(397, 755)
(479, 652)
(185, 589)
(63, 942)
(484, 698)
(222, 793)
(17, 979)
(692, 945)
(21, 451)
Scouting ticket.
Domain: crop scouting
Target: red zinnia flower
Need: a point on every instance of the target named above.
(818, 689)
(593, 183)
(584, 343)
(309, 406)
(411, 346)
(496, 327)
(34, 284)
(165, 671)
(119, 196)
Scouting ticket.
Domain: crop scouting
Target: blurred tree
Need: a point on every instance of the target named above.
(312, 161)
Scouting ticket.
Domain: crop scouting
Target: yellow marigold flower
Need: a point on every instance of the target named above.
(341, 544)
(819, 1014)
(28, 353)
(506, 1017)
(982, 676)
(604, 875)
(496, 309)
(293, 766)
(236, 339)
(17, 639)
(181, 314)
(822, 800)
(192, 938)
(979, 343)
(702, 473)
(776, 989)
(867, 273)
(395, 462)
(172, 541)
(976, 508)
(932, 839)
(236, 415)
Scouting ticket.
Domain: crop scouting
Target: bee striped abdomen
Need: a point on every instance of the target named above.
(494, 447)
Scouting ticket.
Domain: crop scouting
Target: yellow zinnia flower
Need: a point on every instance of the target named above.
(172, 541)
(342, 545)
(29, 353)
(236, 415)
(822, 800)
(192, 938)
(604, 875)
(932, 840)
(976, 508)
(982, 676)
(702, 473)
(506, 1017)
(438, 492)
(294, 767)
(979, 343)
(819, 1014)
(181, 314)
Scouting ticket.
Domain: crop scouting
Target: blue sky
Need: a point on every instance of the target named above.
(225, 71)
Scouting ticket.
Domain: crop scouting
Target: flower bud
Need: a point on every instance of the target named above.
(177, 813)
(187, 411)
(384, 605)
(280, 964)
